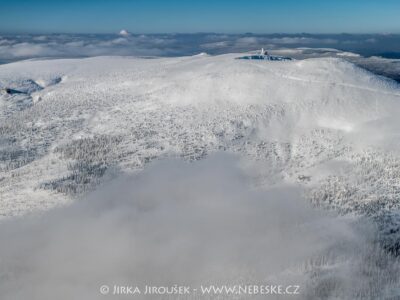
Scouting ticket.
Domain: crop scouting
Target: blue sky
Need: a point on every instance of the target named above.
(183, 16)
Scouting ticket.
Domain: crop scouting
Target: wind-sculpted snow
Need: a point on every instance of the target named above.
(87, 118)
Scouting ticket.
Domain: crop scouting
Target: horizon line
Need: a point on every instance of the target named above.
(200, 32)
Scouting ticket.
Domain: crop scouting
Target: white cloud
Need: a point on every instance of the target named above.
(371, 40)
(81, 45)
(26, 50)
(215, 45)
(71, 46)
(75, 44)
(248, 41)
(301, 40)
(120, 41)
(40, 38)
(202, 224)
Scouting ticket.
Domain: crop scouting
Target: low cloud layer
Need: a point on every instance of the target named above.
(17, 47)
(191, 224)
(14, 48)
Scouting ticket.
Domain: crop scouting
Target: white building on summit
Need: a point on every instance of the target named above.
(124, 32)
(263, 52)
(264, 55)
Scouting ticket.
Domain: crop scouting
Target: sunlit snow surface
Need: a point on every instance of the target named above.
(322, 123)
(322, 126)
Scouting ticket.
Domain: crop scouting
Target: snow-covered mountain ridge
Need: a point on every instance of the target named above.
(324, 124)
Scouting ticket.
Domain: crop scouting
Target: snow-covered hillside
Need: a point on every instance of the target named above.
(320, 129)
(322, 123)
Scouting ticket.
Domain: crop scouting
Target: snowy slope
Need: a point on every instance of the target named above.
(320, 128)
(322, 123)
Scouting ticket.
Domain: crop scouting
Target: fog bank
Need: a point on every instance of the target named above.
(191, 224)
